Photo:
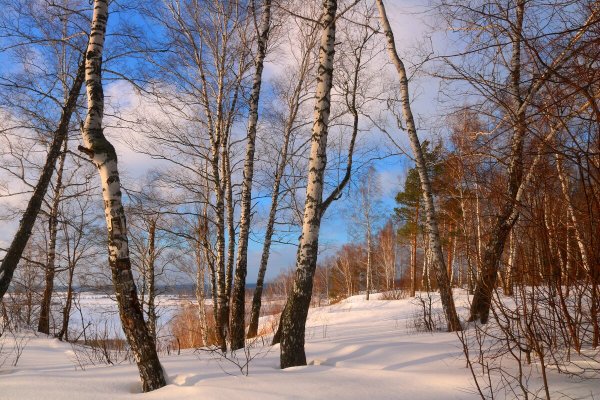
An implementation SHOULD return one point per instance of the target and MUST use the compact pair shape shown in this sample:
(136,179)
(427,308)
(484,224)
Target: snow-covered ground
(356,349)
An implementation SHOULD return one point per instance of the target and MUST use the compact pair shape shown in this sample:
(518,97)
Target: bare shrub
(101,348)
(395,294)
(429,317)
(240,359)
(532,335)
(13,340)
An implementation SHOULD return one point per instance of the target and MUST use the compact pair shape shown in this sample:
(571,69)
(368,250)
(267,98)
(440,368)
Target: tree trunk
(479,252)
(432,226)
(225,303)
(293,319)
(238,305)
(369,262)
(150,280)
(219,279)
(46,306)
(512,253)
(520,99)
(15,251)
(264,260)
(480,307)
(426,276)
(66,313)
(104,157)
(451,252)
(413,253)
(200,288)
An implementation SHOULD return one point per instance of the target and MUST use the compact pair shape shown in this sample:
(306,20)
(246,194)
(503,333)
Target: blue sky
(409,30)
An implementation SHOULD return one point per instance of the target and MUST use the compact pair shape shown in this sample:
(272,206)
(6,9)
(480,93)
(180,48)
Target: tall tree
(45,309)
(205,71)
(293,318)
(294,101)
(238,304)
(103,155)
(431,224)
(408,212)
(15,251)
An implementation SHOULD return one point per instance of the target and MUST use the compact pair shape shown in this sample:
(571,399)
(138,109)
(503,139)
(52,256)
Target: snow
(356,349)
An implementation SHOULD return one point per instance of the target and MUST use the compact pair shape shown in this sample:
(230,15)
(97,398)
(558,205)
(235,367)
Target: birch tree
(202,84)
(363,213)
(15,251)
(238,304)
(428,204)
(293,319)
(103,155)
(294,95)
(45,309)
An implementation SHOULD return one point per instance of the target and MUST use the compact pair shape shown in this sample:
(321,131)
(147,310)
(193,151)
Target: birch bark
(104,157)
(238,304)
(293,319)
(432,226)
(512,254)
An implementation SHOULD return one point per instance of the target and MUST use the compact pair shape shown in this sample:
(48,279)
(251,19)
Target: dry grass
(186,329)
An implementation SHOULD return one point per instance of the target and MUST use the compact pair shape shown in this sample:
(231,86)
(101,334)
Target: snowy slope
(356,350)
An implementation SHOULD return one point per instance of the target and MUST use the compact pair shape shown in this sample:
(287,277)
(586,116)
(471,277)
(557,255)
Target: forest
(394,198)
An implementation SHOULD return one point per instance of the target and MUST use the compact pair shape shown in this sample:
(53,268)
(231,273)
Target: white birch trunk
(104,157)
(293,320)
(239,291)
(432,226)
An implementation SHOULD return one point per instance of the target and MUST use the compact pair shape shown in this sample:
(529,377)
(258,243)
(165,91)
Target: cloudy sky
(408,21)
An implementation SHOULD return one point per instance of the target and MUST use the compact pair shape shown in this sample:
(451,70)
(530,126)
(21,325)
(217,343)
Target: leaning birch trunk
(293,319)
(104,157)
(17,246)
(432,227)
(480,307)
(45,308)
(238,304)
(520,98)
